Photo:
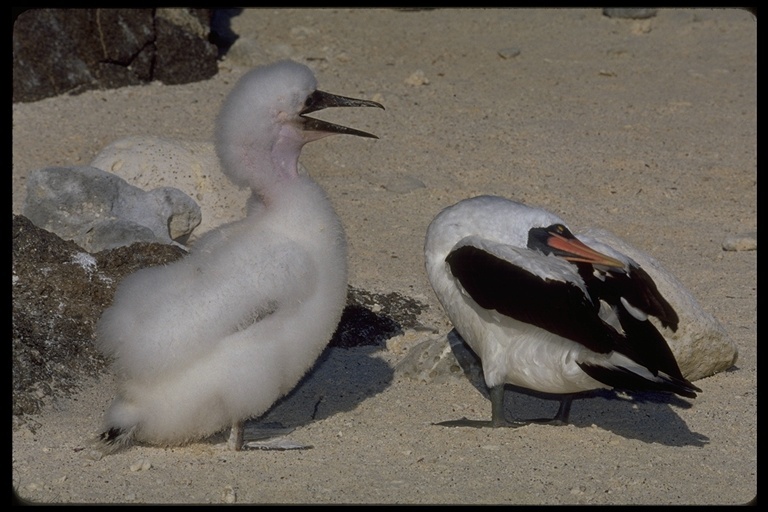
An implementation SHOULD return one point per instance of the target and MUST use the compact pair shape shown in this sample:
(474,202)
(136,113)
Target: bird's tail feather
(112,440)
(622,378)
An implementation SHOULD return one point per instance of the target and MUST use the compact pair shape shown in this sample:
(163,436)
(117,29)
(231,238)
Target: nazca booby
(217,337)
(546,310)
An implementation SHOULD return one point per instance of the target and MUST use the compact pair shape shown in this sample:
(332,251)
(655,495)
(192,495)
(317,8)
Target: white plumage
(217,337)
(543,309)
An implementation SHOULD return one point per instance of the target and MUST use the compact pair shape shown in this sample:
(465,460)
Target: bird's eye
(560,229)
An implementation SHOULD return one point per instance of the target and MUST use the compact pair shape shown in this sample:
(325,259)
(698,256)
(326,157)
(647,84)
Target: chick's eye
(310,100)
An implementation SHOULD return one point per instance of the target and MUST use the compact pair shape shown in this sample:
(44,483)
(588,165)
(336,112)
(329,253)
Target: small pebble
(509,53)
(141,465)
(229,495)
(93,454)
(403,184)
(629,12)
(34,486)
(417,78)
(744,242)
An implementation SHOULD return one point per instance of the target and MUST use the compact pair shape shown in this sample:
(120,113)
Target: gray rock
(184,54)
(99,210)
(431,361)
(57,51)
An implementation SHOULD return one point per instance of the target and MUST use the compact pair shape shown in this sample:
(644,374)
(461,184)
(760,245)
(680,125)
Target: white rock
(701,344)
(193,167)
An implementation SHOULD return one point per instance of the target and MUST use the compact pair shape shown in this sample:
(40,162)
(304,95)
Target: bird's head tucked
(263,122)
(559,241)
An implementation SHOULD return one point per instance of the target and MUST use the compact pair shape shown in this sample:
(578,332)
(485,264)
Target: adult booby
(546,310)
(217,337)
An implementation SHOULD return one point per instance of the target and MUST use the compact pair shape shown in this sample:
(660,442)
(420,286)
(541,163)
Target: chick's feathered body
(221,334)
(216,338)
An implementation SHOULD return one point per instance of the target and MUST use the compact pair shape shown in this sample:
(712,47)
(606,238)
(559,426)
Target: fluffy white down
(254,124)
(220,335)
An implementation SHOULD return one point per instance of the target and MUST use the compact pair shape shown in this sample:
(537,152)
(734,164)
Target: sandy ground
(646,128)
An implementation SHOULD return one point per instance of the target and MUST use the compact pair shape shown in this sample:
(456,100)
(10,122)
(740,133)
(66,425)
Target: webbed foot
(464,422)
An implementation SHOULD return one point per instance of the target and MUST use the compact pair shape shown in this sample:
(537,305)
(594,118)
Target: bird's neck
(261,166)
(285,165)
(277,164)
(275,192)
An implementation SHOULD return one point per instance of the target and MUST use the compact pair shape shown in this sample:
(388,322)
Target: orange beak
(574,250)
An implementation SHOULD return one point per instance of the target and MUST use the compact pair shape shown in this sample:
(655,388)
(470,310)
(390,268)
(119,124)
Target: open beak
(319,100)
(574,250)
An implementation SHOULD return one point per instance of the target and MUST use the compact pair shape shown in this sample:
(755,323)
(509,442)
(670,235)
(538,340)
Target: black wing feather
(643,343)
(637,288)
(556,306)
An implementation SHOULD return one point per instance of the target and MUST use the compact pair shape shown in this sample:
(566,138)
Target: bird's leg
(498,418)
(235,441)
(563,412)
